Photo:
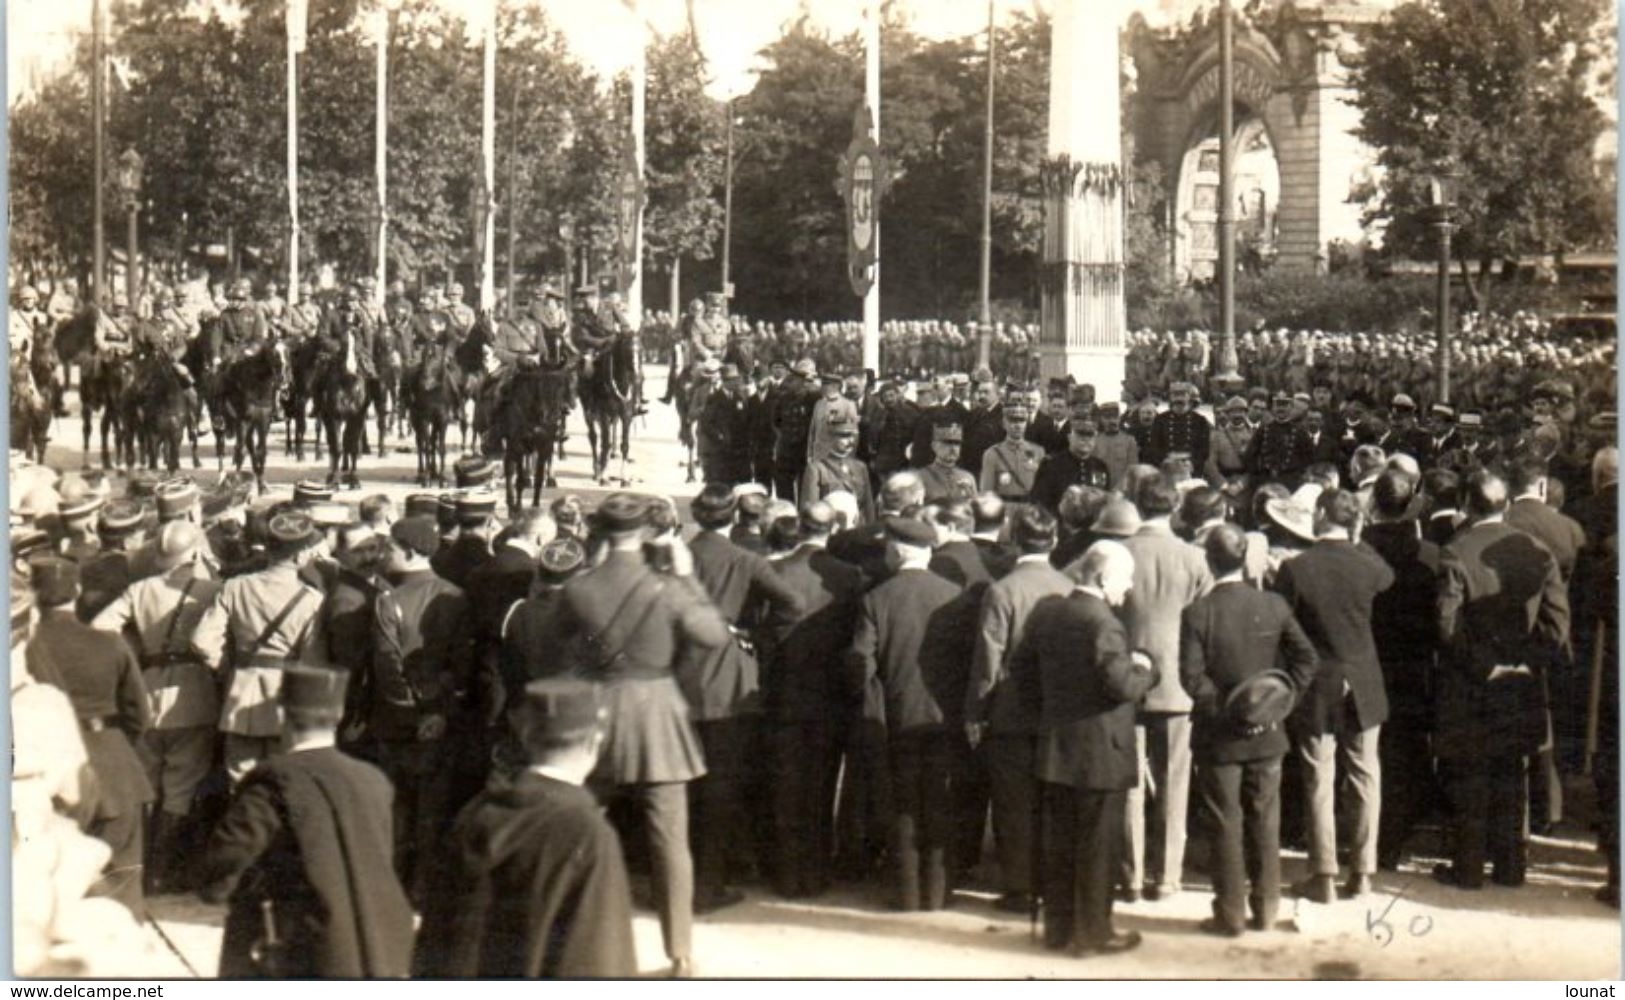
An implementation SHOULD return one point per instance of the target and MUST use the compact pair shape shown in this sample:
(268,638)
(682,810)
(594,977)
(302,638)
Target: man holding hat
(256,625)
(1009,467)
(302,854)
(536,886)
(838,470)
(943,478)
(1234,638)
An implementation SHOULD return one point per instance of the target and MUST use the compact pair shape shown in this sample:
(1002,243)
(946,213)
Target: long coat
(310,832)
(725,680)
(1331,588)
(800,678)
(534,886)
(914,636)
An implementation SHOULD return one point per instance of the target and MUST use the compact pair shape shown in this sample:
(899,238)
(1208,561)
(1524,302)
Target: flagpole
(640,70)
(98,100)
(871,97)
(488,146)
(380,144)
(296,41)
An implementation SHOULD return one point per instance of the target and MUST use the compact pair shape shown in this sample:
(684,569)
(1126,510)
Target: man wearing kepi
(1230,644)
(624,625)
(303,855)
(536,885)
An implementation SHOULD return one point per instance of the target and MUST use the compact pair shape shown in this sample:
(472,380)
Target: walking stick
(1594,699)
(1035,866)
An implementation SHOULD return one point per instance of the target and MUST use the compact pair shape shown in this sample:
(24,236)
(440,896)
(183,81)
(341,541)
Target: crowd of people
(896,622)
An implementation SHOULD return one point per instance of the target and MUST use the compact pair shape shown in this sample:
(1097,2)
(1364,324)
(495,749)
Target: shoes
(1127,895)
(1262,922)
(1218,928)
(1014,902)
(1511,879)
(1114,945)
(1160,891)
(682,968)
(1317,888)
(1446,874)
(721,899)
(1357,886)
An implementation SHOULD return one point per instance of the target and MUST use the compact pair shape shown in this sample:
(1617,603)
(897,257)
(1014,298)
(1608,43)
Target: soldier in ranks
(1280,450)
(1115,446)
(1010,467)
(1077,466)
(943,478)
(1179,428)
(839,470)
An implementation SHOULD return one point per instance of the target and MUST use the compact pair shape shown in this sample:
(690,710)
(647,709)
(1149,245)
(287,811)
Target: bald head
(1108,567)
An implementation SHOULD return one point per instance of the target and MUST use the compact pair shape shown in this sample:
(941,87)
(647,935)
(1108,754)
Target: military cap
(474,470)
(561,709)
(1118,519)
(1302,397)
(586,291)
(26,543)
(176,497)
(805,368)
(311,491)
(982,374)
(474,507)
(1444,410)
(715,297)
(730,372)
(1016,411)
(55,580)
(622,512)
(1470,419)
(330,515)
(1258,394)
(419,534)
(561,558)
(120,517)
(240,289)
(959,378)
(1235,403)
(1059,386)
(832,375)
(842,425)
(550,291)
(290,528)
(910,531)
(1184,387)
(313,691)
(1081,394)
(1402,402)
(1109,410)
(948,433)
(455,288)
(27,292)
(79,499)
(422,505)
(1554,389)
(713,503)
(1281,396)
(143,483)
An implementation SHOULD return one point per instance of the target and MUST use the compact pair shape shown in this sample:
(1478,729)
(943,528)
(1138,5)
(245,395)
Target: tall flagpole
(640,72)
(488,154)
(380,144)
(871,97)
(296,45)
(985,275)
(98,110)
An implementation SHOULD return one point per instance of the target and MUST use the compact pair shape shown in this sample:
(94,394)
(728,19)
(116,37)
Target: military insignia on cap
(290,527)
(561,556)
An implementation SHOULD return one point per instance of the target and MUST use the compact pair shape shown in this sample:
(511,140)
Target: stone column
(1083,317)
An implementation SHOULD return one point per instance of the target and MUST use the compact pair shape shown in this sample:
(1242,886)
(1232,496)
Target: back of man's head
(1484,494)
(1323,474)
(783,534)
(714,507)
(988,510)
(1201,505)
(1080,505)
(535,525)
(954,516)
(902,490)
(1524,474)
(1605,467)
(1033,529)
(1156,498)
(818,519)
(1391,496)
(1442,487)
(1226,548)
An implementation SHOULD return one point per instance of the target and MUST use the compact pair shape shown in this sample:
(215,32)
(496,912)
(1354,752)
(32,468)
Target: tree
(1503,90)
(683,155)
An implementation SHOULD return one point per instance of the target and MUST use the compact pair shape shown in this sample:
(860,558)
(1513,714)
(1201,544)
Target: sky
(39,33)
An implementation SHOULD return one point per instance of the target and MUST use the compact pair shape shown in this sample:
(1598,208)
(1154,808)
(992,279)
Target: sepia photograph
(813,489)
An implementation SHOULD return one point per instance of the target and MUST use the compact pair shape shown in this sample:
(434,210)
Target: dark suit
(1561,534)
(458,561)
(1076,666)
(809,711)
(1501,603)
(913,637)
(984,428)
(1063,469)
(1226,637)
(723,688)
(1331,588)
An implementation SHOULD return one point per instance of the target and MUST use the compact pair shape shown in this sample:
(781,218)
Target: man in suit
(724,429)
(999,720)
(723,688)
(625,626)
(1076,666)
(984,424)
(303,854)
(1331,588)
(806,708)
(1442,517)
(793,403)
(998,555)
(913,639)
(1405,626)
(1228,639)
(1530,513)
(1503,622)
(1169,574)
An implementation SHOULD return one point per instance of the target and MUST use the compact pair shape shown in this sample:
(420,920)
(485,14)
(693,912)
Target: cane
(1594,698)
(1035,864)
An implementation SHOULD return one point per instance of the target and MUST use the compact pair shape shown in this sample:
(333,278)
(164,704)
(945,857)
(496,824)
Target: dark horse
(303,359)
(103,388)
(30,414)
(158,408)
(691,400)
(538,399)
(431,396)
(248,392)
(608,400)
(341,403)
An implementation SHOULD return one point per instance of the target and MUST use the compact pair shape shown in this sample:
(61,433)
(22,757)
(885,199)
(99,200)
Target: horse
(690,404)
(341,403)
(303,361)
(160,411)
(608,399)
(538,399)
(103,388)
(470,354)
(430,396)
(30,414)
(249,389)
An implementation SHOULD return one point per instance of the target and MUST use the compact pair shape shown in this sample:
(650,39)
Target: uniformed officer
(724,426)
(943,478)
(820,442)
(461,314)
(255,626)
(1281,449)
(1114,445)
(24,322)
(1077,466)
(1009,467)
(839,470)
(1179,428)
(792,409)
(114,336)
(1227,458)
(240,327)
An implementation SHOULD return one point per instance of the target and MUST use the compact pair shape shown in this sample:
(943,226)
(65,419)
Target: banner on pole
(630,198)
(862,182)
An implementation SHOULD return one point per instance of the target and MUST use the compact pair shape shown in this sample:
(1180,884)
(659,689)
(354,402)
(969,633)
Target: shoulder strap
(608,655)
(276,623)
(169,634)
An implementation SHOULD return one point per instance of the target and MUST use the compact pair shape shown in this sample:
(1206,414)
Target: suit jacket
(1331,588)
(724,681)
(1075,662)
(998,557)
(495,585)
(1064,469)
(1501,603)
(994,696)
(422,655)
(864,547)
(913,637)
(1561,534)
(1404,618)
(1233,633)
(459,561)
(1169,575)
(802,652)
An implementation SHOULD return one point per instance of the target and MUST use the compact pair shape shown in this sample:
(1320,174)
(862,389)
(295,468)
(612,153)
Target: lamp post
(129,185)
(1442,202)
(727,212)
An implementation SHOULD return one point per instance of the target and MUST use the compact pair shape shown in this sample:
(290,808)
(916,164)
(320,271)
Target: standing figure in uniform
(1077,466)
(943,478)
(792,410)
(1010,467)
(302,855)
(838,470)
(1180,428)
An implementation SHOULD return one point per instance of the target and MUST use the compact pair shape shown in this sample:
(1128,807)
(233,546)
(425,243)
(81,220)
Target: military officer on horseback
(304,318)
(538,339)
(240,328)
(26,319)
(461,314)
(353,320)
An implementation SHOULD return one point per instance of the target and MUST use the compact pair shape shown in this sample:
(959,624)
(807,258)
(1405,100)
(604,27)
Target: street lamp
(1441,203)
(128,178)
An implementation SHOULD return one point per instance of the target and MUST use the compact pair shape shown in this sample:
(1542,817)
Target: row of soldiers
(795,691)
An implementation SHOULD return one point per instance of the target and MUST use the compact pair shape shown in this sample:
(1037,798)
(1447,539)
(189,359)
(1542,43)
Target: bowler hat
(948,433)
(714,502)
(418,534)
(561,709)
(313,692)
(422,505)
(1264,699)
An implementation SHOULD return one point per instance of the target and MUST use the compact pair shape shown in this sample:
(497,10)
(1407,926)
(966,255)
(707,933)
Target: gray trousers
(1154,852)
(1354,753)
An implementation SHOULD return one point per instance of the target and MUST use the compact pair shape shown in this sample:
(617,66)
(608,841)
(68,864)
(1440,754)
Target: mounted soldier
(304,318)
(461,314)
(537,339)
(351,319)
(25,323)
